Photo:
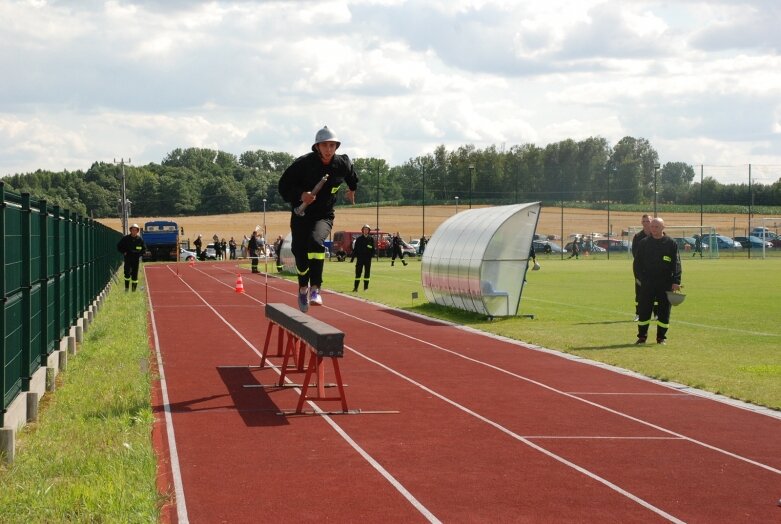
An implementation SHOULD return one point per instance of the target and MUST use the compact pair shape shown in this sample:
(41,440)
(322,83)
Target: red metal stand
(316,365)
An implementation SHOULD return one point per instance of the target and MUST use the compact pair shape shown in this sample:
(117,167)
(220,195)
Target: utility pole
(124,203)
(471,176)
(656,192)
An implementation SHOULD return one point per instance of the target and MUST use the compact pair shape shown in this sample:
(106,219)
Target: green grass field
(725,338)
(89,458)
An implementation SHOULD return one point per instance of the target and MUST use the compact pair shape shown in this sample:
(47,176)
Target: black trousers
(363,266)
(651,292)
(132,263)
(308,247)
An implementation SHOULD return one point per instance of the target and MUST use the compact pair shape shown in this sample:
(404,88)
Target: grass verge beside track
(89,458)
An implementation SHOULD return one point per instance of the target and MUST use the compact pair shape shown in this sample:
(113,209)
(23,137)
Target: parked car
(547,247)
(415,243)
(689,244)
(721,241)
(760,231)
(594,248)
(211,254)
(764,233)
(185,255)
(754,242)
(407,250)
(614,244)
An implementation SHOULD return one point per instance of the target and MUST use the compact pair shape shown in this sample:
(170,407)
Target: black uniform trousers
(363,265)
(650,292)
(132,262)
(308,247)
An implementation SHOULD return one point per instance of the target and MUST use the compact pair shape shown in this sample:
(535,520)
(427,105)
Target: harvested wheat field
(409,221)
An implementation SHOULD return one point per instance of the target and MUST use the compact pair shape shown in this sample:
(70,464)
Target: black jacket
(657,262)
(304,174)
(363,249)
(636,240)
(131,247)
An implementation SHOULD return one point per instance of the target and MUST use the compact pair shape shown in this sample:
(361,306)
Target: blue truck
(161,238)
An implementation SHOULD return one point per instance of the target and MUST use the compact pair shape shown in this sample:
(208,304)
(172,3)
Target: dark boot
(355,286)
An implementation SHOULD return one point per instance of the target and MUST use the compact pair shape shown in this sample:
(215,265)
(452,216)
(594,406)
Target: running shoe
(303,300)
(315,298)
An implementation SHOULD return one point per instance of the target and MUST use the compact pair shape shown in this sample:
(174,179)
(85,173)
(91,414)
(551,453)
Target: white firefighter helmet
(325,135)
(135,226)
(366,226)
(675,298)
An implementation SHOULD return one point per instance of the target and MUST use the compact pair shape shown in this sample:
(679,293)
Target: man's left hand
(351,196)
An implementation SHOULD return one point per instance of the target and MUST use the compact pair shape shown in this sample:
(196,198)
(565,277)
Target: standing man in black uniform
(198,245)
(252,247)
(646,232)
(657,269)
(311,226)
(278,252)
(132,247)
(363,250)
(396,249)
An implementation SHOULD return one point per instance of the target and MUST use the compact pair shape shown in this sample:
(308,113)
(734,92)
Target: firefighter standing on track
(363,250)
(657,269)
(311,228)
(132,247)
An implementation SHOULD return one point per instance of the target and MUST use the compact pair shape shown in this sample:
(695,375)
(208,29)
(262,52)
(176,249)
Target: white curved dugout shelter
(286,257)
(476,260)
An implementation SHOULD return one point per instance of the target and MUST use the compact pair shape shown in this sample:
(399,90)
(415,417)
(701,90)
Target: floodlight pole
(423,200)
(123,195)
(471,175)
(378,197)
(656,170)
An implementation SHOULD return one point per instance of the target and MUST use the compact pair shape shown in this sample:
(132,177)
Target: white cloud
(92,80)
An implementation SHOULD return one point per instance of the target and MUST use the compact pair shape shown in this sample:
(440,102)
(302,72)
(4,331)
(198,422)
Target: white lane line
(524,440)
(176,472)
(430,517)
(564,393)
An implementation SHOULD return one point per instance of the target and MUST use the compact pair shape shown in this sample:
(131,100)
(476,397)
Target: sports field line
(624,313)
(490,422)
(430,517)
(552,389)
(176,472)
(524,440)
(540,384)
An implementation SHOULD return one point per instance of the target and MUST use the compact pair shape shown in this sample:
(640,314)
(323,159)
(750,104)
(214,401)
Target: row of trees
(198,181)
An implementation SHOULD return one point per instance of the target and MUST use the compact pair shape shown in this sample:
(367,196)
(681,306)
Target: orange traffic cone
(239,284)
(192,262)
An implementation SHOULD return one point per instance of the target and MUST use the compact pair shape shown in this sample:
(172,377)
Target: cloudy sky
(92,80)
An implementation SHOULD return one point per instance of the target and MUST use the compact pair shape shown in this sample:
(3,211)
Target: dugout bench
(299,334)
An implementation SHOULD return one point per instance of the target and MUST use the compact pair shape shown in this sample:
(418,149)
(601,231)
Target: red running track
(487,429)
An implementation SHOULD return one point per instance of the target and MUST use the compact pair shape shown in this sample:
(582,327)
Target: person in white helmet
(312,208)
(363,250)
(132,248)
